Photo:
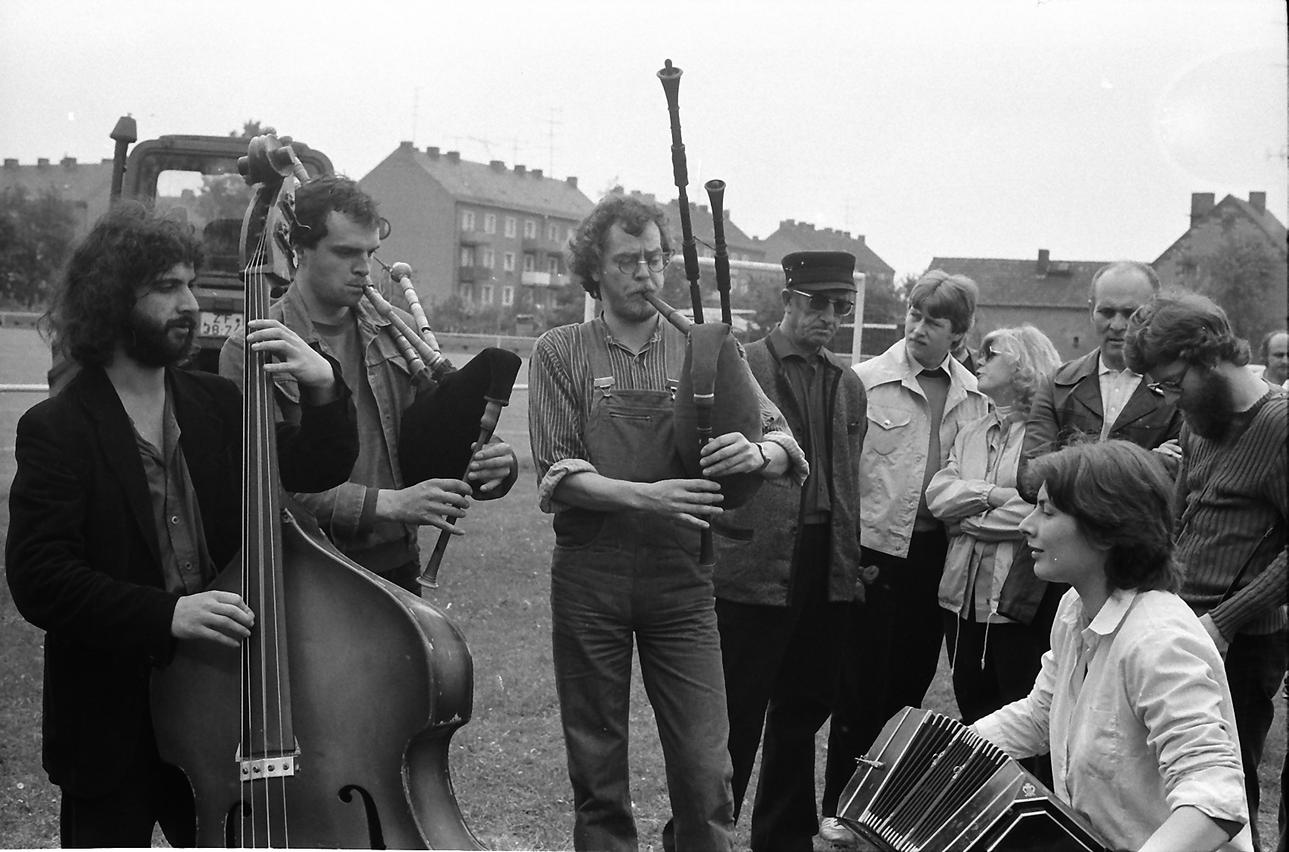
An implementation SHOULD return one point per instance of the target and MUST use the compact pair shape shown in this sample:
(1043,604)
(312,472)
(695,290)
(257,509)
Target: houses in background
(1051,295)
(85,185)
(493,235)
(792,235)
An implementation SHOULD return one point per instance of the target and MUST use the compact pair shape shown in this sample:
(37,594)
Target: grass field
(508,762)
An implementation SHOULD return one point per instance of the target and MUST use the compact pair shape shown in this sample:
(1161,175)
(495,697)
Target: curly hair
(1181,326)
(1119,494)
(586,246)
(315,200)
(129,246)
(940,295)
(1032,354)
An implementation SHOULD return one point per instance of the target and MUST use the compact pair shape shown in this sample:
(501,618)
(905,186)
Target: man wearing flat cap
(788,561)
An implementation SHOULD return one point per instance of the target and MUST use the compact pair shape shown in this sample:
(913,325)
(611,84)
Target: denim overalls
(616,576)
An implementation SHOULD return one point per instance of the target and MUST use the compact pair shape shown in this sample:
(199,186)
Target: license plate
(220,324)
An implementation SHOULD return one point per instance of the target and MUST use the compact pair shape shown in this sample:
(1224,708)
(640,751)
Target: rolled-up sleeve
(1179,695)
(554,421)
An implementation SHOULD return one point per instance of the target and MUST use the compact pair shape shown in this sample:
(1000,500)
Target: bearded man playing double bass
(126,501)
(374,517)
(627,524)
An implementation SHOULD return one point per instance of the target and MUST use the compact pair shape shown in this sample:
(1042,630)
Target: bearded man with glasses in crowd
(1231,502)
(627,523)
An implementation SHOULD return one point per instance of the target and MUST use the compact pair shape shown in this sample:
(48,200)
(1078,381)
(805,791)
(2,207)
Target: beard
(1210,407)
(155,344)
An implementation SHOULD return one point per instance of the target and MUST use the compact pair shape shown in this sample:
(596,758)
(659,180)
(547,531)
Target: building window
(488,258)
(485,294)
(467,220)
(530,229)
(552,233)
(508,261)
(552,265)
(490,223)
(507,295)
(467,256)
(571,231)
(530,263)
(510,226)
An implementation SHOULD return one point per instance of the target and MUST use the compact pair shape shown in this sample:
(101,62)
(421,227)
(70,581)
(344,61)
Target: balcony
(474,237)
(541,279)
(541,245)
(471,274)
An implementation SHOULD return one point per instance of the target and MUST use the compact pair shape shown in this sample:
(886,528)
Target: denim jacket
(898,437)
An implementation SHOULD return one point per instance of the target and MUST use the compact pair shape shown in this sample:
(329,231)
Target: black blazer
(82,556)
(1067,408)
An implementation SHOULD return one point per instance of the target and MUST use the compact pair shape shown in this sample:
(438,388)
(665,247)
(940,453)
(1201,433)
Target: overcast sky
(989,128)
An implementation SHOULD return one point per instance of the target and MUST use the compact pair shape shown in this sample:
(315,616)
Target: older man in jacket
(1097,396)
(788,561)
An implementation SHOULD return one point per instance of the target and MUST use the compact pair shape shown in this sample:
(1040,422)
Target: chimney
(433,151)
(1044,259)
(1258,201)
(537,173)
(1201,203)
(571,181)
(405,145)
(454,157)
(11,162)
(70,163)
(42,162)
(787,223)
(520,170)
(497,165)
(860,239)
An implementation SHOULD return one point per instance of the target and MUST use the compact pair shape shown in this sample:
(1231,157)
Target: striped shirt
(1229,493)
(561,392)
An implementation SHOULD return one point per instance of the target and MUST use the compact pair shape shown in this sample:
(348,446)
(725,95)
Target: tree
(1244,275)
(886,302)
(36,235)
(250,129)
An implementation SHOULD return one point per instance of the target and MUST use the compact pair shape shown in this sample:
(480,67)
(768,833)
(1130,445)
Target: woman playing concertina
(1132,699)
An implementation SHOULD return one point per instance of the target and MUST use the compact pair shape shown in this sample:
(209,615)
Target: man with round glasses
(627,522)
(787,567)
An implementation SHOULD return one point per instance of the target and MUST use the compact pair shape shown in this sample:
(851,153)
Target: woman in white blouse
(993,630)
(1132,699)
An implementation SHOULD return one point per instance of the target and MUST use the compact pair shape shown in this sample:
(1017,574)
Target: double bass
(330,727)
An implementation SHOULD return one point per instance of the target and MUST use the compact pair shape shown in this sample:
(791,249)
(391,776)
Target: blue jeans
(637,580)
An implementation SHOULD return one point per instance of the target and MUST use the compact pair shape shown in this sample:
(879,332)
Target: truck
(195,178)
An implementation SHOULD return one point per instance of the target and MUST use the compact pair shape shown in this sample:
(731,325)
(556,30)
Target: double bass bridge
(255,768)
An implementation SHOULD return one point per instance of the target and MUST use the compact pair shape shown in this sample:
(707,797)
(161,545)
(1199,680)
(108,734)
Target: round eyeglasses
(656,261)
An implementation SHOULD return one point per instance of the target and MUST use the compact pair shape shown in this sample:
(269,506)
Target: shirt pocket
(1099,753)
(886,429)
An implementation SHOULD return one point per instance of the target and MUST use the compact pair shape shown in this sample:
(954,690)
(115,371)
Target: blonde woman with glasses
(995,626)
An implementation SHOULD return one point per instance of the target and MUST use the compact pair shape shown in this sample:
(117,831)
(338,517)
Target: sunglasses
(820,302)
